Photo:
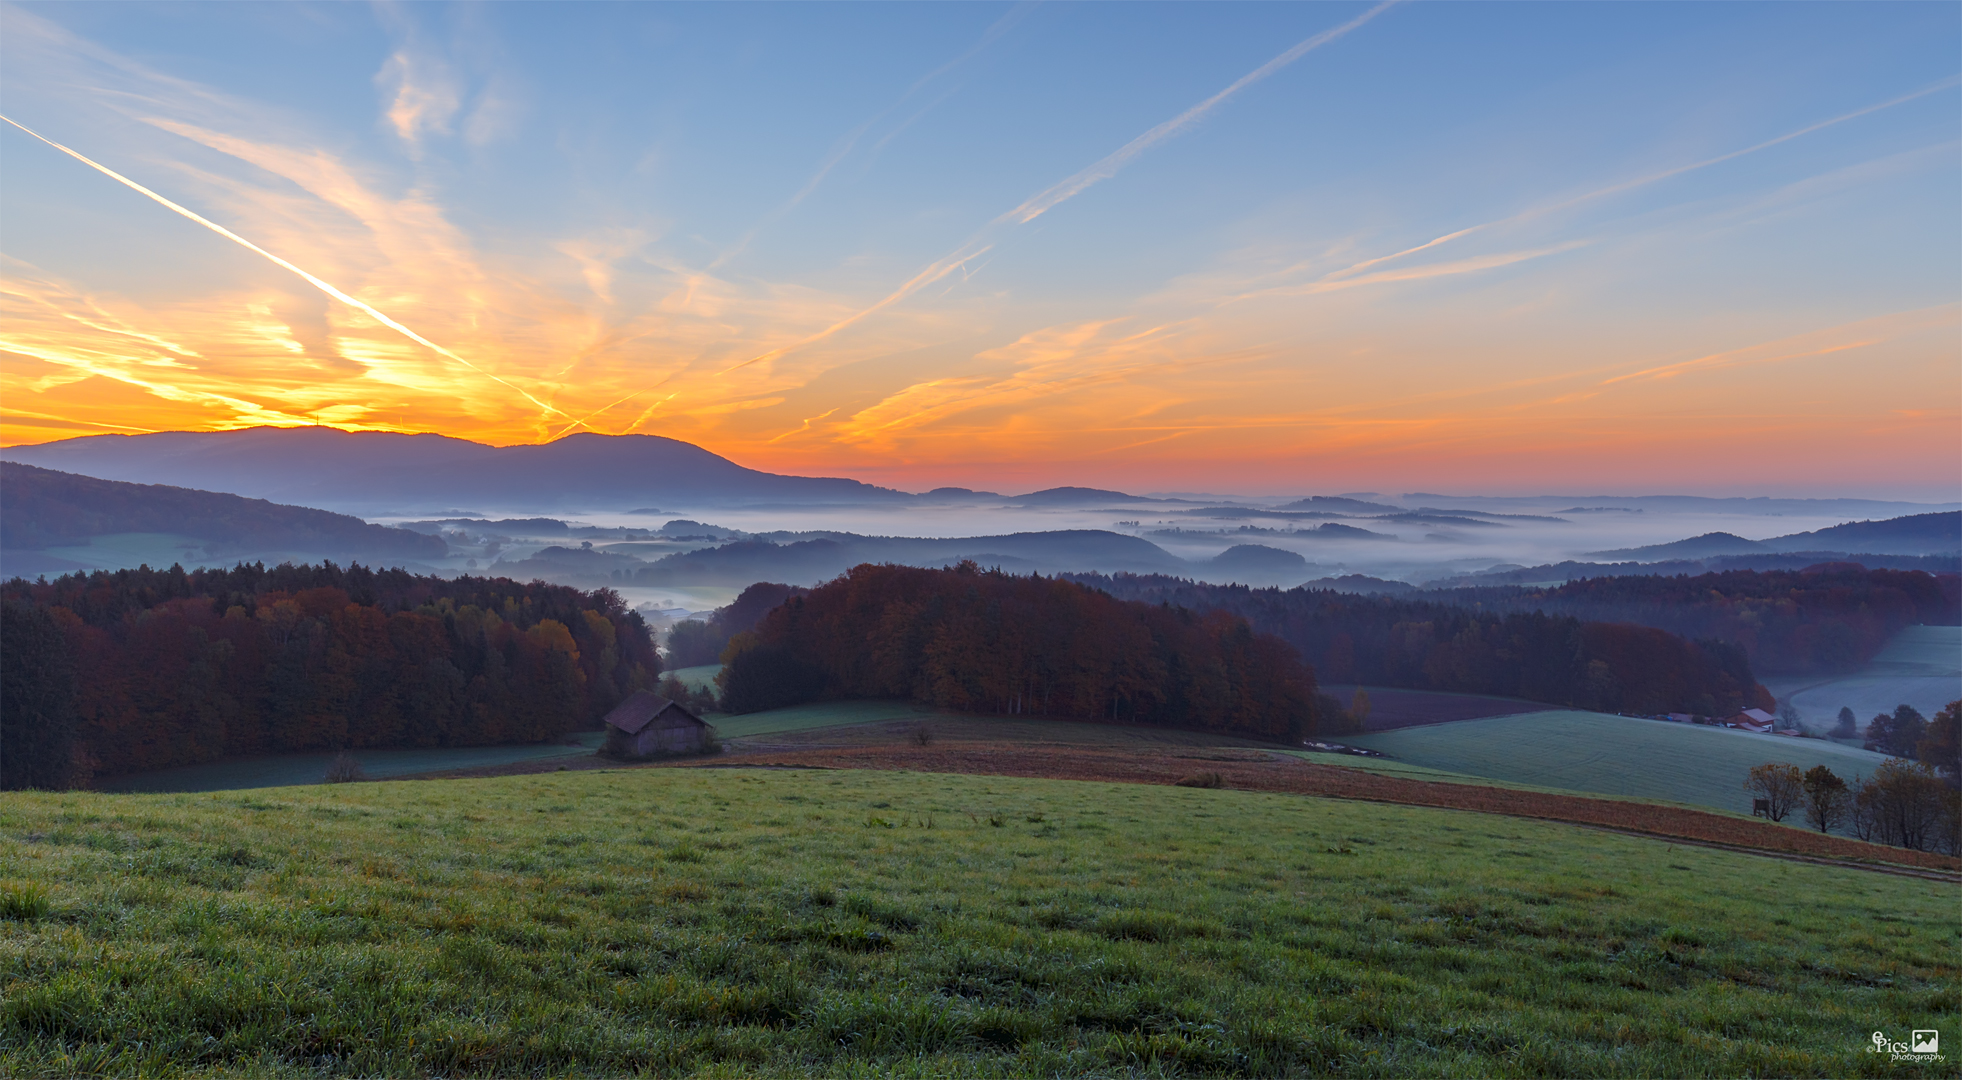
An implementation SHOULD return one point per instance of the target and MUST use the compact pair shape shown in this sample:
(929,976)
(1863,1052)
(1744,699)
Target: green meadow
(798,922)
(700,677)
(280,770)
(817,715)
(1921,666)
(1612,755)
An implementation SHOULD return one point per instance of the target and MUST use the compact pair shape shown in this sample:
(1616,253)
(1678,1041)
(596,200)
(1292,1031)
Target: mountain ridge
(369,470)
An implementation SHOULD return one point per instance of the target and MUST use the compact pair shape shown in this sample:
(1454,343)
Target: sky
(1468,248)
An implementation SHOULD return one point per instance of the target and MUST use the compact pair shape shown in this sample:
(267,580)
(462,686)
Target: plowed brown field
(1255,770)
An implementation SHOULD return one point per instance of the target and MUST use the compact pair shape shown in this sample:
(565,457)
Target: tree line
(694,642)
(1905,803)
(1426,645)
(131,670)
(985,641)
(1828,618)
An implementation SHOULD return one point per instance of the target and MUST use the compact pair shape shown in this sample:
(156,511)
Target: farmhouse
(647,724)
(1754,720)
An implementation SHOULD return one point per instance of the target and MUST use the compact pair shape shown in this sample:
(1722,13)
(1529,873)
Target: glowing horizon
(1314,247)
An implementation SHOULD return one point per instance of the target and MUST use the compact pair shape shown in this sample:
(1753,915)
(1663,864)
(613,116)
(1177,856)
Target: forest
(979,641)
(1425,645)
(1824,619)
(693,641)
(130,670)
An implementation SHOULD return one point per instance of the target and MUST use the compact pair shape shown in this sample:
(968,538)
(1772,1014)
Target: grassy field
(701,677)
(811,922)
(1612,755)
(295,769)
(1921,667)
(821,714)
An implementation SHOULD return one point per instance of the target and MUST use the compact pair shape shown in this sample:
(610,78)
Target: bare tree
(1905,805)
(1778,785)
(1825,799)
(344,769)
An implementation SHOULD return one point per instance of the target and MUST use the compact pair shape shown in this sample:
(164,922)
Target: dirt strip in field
(1252,770)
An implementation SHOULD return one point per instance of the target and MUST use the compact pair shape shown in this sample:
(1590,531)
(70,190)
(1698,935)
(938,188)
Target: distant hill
(1578,504)
(1256,564)
(1916,534)
(813,558)
(1076,496)
(1696,547)
(1764,560)
(383,471)
(1340,505)
(1361,584)
(42,508)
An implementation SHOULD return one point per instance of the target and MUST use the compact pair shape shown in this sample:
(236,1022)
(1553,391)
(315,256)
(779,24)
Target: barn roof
(641,707)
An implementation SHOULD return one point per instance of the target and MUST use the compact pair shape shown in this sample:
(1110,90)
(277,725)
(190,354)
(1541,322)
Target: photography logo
(1921,1045)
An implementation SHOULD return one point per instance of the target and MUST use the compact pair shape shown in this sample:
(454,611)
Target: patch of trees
(1827,618)
(43,508)
(124,671)
(694,642)
(981,641)
(1424,645)
(1905,733)
(1905,803)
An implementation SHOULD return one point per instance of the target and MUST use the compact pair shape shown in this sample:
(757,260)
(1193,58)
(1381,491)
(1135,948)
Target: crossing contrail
(323,286)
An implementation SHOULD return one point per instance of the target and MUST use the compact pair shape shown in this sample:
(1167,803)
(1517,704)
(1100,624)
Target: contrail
(1108,167)
(1053,196)
(844,145)
(1652,178)
(317,283)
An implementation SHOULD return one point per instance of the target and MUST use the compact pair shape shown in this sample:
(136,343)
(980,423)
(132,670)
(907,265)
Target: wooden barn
(647,724)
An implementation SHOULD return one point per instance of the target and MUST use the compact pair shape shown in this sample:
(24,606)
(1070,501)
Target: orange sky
(1744,305)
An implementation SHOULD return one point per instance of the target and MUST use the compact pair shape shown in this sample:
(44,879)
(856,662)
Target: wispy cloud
(1645,180)
(324,286)
(1845,337)
(425,96)
(1049,198)
(842,148)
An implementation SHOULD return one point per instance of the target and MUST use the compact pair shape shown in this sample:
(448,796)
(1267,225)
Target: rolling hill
(42,509)
(820,557)
(1914,534)
(822,922)
(1612,755)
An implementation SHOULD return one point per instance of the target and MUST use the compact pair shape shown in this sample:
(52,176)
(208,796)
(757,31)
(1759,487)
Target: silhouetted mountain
(42,508)
(1340,505)
(376,471)
(1333,531)
(1915,534)
(1256,564)
(1076,496)
(1696,547)
(810,558)
(1577,504)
